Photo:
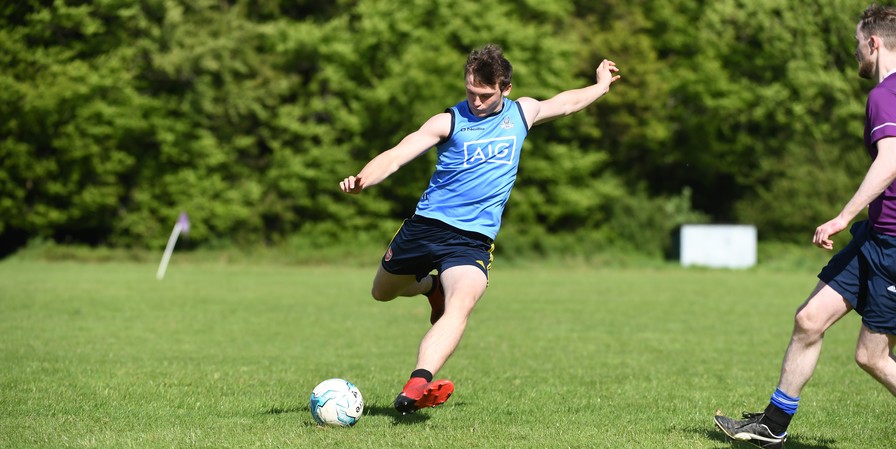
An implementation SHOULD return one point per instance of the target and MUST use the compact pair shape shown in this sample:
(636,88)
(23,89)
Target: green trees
(115,115)
(782,148)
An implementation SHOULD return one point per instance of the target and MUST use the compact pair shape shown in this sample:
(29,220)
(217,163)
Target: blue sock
(784,402)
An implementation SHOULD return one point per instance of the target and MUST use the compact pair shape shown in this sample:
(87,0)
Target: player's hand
(823,233)
(352,185)
(605,71)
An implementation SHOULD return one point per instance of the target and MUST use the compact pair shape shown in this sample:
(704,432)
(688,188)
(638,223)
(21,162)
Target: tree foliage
(115,115)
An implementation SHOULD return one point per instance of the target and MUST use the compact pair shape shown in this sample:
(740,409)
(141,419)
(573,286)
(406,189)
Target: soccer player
(479,142)
(862,276)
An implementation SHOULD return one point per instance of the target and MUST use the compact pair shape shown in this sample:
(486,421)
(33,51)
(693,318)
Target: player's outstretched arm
(389,161)
(571,101)
(880,175)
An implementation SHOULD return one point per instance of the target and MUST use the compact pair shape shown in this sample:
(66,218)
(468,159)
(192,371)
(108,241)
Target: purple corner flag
(184,221)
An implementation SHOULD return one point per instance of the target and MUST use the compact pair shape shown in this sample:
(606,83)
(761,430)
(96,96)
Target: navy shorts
(864,273)
(423,244)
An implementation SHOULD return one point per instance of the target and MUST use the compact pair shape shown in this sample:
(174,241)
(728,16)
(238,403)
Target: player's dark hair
(489,66)
(880,21)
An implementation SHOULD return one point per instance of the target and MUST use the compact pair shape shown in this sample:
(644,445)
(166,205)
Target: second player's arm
(880,175)
(414,144)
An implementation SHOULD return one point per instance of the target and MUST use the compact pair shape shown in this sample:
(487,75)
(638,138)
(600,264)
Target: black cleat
(405,405)
(751,431)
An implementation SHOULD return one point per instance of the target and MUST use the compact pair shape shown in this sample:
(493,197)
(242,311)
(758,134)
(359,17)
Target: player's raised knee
(381,295)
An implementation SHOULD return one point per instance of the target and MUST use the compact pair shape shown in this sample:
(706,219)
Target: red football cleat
(418,393)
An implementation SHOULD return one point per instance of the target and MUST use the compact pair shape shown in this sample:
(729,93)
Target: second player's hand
(823,233)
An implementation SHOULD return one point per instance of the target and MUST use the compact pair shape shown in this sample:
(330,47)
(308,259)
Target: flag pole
(182,225)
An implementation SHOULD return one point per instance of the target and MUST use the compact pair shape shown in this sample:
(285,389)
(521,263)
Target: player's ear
(506,91)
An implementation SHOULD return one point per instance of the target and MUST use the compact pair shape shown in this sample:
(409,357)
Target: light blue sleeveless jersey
(476,169)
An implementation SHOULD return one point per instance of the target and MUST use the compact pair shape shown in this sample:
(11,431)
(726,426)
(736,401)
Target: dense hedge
(115,115)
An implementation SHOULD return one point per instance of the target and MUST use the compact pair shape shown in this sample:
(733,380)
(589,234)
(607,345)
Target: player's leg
(463,286)
(404,267)
(874,353)
(388,286)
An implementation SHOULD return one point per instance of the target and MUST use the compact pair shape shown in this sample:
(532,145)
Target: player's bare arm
(389,161)
(571,101)
(881,174)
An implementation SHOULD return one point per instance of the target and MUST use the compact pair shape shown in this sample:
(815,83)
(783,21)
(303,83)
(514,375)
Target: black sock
(426,375)
(776,419)
(431,290)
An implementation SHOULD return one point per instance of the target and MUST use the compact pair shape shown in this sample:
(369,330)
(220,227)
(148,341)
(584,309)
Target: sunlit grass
(225,355)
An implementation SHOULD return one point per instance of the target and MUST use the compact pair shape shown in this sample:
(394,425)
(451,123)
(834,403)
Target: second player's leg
(874,353)
(823,308)
(769,429)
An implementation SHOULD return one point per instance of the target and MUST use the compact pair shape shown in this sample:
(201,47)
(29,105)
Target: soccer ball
(336,402)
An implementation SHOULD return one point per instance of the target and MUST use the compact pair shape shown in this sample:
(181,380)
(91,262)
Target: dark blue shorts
(423,244)
(863,273)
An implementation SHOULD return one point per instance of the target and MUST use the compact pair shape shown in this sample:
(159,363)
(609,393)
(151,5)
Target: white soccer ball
(336,402)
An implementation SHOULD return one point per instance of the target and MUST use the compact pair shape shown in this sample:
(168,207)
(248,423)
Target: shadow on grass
(793,442)
(402,420)
(369,409)
(308,422)
(397,418)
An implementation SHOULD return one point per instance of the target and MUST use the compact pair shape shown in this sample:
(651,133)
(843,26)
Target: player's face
(863,55)
(484,100)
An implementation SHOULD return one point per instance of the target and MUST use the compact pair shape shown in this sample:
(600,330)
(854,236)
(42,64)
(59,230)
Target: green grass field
(225,355)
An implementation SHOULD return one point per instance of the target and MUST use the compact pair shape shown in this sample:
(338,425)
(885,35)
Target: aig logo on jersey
(500,150)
